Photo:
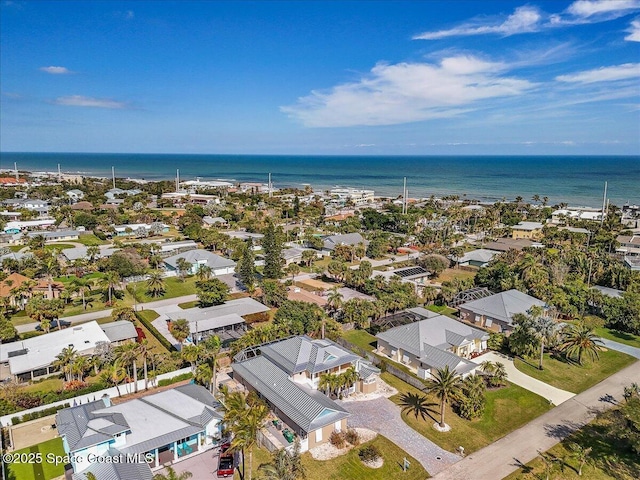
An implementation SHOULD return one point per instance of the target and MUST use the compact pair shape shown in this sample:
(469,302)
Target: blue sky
(414,78)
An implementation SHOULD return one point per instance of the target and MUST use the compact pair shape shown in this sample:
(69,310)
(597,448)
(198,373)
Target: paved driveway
(514,375)
(383,416)
(621,347)
(202,466)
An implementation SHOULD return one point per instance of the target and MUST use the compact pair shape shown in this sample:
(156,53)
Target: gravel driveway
(383,416)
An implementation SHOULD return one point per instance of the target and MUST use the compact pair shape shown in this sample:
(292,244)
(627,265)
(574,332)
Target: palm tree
(92,252)
(334,299)
(172,475)
(580,339)
(184,267)
(293,269)
(64,360)
(128,355)
(212,346)
(204,272)
(499,374)
(113,374)
(284,465)
(546,330)
(349,377)
(155,284)
(145,351)
(419,405)
(192,354)
(111,281)
(79,366)
(445,384)
(82,286)
(180,330)
(246,432)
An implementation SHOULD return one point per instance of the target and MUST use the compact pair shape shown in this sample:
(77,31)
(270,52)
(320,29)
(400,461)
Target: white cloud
(408,92)
(82,101)
(56,70)
(528,19)
(522,20)
(610,8)
(604,74)
(634,31)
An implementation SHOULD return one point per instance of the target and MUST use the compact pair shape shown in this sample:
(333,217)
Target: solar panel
(411,271)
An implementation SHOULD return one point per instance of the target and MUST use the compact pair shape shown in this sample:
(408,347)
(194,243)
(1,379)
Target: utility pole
(270,188)
(404,196)
(604,203)
(113,176)
(177,180)
(59,173)
(15,168)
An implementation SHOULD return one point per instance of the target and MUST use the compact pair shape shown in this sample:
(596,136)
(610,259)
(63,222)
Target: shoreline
(319,190)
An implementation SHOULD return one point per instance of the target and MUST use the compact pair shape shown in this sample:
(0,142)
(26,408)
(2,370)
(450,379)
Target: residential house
(166,248)
(75,195)
(632,263)
(226,320)
(528,230)
(506,244)
(33,204)
(433,343)
(286,374)
(119,332)
(416,275)
(13,283)
(199,258)
(496,311)
(140,229)
(476,258)
(332,241)
(17,227)
(33,358)
(629,245)
(56,235)
(342,196)
(209,221)
(83,205)
(154,430)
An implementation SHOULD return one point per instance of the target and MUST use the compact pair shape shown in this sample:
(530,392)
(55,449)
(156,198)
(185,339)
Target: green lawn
(186,305)
(38,471)
(607,460)
(573,377)
(442,309)
(349,466)
(507,409)
(58,246)
(173,285)
(90,240)
(620,337)
(451,273)
(361,338)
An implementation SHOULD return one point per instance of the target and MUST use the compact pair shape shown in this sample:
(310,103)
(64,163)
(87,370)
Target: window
(318,435)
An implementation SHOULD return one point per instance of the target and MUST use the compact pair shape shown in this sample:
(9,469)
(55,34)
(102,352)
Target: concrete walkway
(621,347)
(514,375)
(383,416)
(521,446)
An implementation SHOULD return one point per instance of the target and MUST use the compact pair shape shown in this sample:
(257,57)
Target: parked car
(226,464)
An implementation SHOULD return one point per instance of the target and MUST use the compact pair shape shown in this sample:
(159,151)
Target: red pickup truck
(226,462)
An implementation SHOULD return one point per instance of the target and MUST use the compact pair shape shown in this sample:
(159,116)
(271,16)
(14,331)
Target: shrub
(176,379)
(163,341)
(370,453)
(74,385)
(337,439)
(497,341)
(42,413)
(352,437)
(27,400)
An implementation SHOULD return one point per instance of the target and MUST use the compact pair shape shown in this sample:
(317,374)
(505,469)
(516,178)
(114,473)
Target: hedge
(39,414)
(163,341)
(176,379)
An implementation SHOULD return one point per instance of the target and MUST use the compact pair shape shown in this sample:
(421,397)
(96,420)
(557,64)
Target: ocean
(575,180)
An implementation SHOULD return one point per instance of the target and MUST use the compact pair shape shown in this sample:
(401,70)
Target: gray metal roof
(481,255)
(309,409)
(437,358)
(150,422)
(120,330)
(502,306)
(197,256)
(117,471)
(440,331)
(299,354)
(239,306)
(72,423)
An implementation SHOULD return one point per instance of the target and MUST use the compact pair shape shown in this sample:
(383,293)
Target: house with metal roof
(198,258)
(158,429)
(529,230)
(496,311)
(433,343)
(286,374)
